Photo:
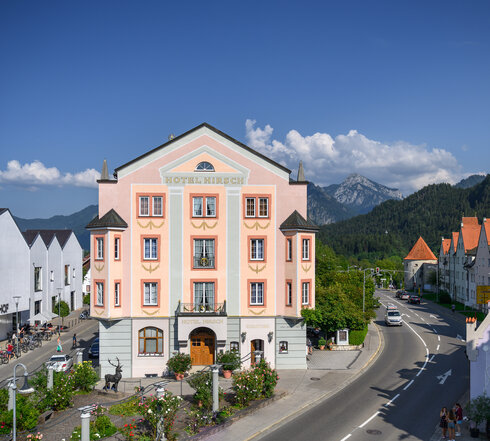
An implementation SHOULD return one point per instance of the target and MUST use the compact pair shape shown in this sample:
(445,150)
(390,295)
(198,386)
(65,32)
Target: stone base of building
(281,340)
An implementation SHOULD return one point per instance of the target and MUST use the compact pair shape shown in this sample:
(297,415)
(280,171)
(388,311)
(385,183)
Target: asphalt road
(421,369)
(86,331)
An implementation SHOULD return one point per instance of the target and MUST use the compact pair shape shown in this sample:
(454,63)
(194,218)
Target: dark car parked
(93,351)
(414,299)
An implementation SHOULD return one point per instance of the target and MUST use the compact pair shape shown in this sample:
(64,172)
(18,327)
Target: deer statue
(109,378)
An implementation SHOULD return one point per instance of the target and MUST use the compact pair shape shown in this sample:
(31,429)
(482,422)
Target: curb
(326,395)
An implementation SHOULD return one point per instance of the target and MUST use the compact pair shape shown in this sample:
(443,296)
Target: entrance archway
(256,345)
(203,343)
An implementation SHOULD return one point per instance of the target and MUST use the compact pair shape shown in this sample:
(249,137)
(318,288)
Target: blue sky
(396,91)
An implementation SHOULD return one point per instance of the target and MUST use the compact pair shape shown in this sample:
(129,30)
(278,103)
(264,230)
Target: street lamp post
(364,289)
(16,300)
(25,389)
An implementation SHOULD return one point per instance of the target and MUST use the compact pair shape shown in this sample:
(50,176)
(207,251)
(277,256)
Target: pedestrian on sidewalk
(453,308)
(59,348)
(459,418)
(310,346)
(21,335)
(10,349)
(443,422)
(451,424)
(74,341)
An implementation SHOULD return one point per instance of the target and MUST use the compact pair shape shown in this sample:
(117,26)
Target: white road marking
(425,362)
(408,385)
(369,419)
(442,378)
(438,346)
(416,314)
(432,358)
(421,318)
(459,337)
(393,399)
(432,316)
(434,331)
(438,338)
(406,315)
(346,437)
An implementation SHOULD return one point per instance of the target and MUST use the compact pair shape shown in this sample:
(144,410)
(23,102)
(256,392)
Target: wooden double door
(202,348)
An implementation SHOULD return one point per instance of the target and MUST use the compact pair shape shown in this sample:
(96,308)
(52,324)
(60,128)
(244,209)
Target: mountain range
(326,205)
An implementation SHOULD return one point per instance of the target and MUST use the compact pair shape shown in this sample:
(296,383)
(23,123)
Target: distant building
(38,266)
(201,245)
(418,266)
(443,262)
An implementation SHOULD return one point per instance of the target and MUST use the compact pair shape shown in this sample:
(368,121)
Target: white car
(61,363)
(393,317)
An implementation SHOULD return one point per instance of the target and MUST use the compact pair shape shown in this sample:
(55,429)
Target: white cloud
(329,160)
(36,174)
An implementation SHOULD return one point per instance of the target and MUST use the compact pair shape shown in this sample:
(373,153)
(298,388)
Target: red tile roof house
(418,265)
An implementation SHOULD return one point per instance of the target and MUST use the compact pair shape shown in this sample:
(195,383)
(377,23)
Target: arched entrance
(203,343)
(256,345)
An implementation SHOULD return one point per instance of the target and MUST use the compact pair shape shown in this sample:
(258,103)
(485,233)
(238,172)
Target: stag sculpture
(114,379)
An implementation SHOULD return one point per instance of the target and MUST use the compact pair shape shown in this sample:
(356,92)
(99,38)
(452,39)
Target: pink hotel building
(201,245)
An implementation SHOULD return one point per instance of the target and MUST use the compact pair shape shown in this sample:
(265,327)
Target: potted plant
(321,343)
(229,361)
(179,364)
(330,344)
(478,410)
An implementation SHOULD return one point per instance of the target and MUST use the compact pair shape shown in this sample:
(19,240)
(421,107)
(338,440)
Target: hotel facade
(201,245)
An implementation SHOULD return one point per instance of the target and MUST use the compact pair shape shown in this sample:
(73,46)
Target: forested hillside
(392,227)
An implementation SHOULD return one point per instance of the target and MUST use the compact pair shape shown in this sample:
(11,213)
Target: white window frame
(254,207)
(289,249)
(117,244)
(100,248)
(147,213)
(153,206)
(208,247)
(257,297)
(151,249)
(306,249)
(152,288)
(207,206)
(305,293)
(100,293)
(39,285)
(194,198)
(208,292)
(117,293)
(256,252)
(259,199)
(289,293)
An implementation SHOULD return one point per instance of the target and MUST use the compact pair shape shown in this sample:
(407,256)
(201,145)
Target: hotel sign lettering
(4,308)
(198,180)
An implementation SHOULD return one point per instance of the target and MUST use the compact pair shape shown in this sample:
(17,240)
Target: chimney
(104,176)
(301,173)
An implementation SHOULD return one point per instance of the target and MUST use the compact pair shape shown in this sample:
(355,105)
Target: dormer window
(205,166)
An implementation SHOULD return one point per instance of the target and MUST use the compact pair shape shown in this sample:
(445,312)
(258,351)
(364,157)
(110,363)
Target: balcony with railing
(201,309)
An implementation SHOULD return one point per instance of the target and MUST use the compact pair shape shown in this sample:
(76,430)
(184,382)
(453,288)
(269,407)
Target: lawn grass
(460,307)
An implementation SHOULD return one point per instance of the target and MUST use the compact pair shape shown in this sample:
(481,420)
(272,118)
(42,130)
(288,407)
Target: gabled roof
(208,126)
(446,244)
(47,236)
(3,210)
(110,220)
(297,222)
(420,251)
(467,221)
(455,240)
(470,233)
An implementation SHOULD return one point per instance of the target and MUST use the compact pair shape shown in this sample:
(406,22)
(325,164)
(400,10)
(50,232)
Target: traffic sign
(482,294)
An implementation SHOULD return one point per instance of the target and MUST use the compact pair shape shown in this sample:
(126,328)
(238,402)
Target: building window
(37,307)
(144,205)
(289,250)
(67,274)
(150,341)
(283,347)
(289,293)
(257,206)
(204,295)
(150,248)
(37,278)
(100,293)
(205,166)
(99,252)
(117,244)
(51,276)
(257,293)
(234,346)
(306,249)
(204,256)
(204,206)
(257,249)
(157,206)
(117,294)
(305,293)
(150,294)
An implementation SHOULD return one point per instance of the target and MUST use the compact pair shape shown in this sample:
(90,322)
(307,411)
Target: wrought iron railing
(201,308)
(204,262)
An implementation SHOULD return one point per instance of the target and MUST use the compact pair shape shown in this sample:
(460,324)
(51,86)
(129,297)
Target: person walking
(310,346)
(59,348)
(21,335)
(74,341)
(443,422)
(451,424)
(458,410)
(10,349)
(453,308)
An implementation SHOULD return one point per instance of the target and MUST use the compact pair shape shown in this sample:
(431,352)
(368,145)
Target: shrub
(269,376)
(478,409)
(59,398)
(104,426)
(86,299)
(27,415)
(258,382)
(230,360)
(357,336)
(202,383)
(179,363)
(153,409)
(444,297)
(61,307)
(126,408)
(84,376)
(322,341)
